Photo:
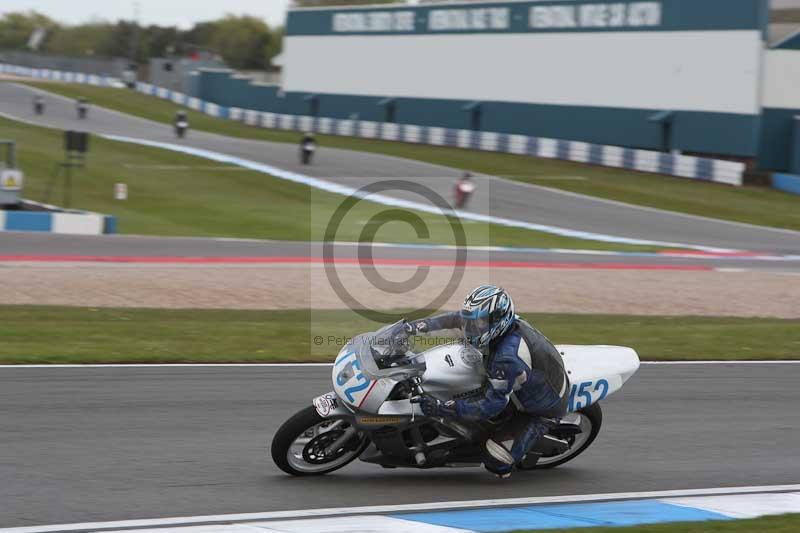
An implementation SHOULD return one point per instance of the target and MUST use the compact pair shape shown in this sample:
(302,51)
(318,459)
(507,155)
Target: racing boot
(498,459)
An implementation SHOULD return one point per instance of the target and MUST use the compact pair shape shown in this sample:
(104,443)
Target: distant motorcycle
(464,189)
(373,413)
(181,124)
(83,108)
(38,105)
(307,148)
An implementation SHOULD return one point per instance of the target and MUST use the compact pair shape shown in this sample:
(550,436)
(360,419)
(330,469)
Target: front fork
(348,434)
(330,406)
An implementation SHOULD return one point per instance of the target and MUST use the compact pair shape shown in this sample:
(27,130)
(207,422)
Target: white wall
(782,79)
(694,71)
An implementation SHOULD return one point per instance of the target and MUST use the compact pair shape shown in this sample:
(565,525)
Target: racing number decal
(602,384)
(348,372)
(583,395)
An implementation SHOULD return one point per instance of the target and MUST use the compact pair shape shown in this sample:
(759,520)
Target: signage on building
(519,18)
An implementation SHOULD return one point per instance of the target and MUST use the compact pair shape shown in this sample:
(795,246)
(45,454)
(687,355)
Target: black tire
(595,414)
(291,430)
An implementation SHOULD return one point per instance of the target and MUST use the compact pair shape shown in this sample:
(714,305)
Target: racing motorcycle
(82,107)
(373,413)
(464,190)
(181,124)
(307,149)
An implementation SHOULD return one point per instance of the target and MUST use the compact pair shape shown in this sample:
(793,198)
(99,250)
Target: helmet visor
(475,324)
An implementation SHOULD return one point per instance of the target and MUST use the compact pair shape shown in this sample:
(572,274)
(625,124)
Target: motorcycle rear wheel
(297,447)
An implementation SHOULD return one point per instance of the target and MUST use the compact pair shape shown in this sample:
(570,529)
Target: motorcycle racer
(523,367)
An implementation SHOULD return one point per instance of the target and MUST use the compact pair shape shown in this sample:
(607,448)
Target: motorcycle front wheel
(299,446)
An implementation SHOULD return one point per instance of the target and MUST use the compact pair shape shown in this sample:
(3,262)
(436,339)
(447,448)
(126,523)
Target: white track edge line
(381,509)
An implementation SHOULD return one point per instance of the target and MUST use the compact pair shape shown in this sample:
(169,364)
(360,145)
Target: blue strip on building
(786,183)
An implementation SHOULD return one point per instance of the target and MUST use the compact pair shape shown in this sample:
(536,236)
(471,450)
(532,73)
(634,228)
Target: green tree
(242,41)
(91,39)
(16,28)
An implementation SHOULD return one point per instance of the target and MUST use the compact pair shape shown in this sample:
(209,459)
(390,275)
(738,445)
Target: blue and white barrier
(58,75)
(70,222)
(716,170)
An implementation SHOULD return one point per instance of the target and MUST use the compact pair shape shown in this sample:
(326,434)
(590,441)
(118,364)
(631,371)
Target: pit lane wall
(616,72)
(716,170)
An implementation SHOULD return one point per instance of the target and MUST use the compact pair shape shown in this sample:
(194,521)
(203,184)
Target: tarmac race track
(86,444)
(494,196)
(121,248)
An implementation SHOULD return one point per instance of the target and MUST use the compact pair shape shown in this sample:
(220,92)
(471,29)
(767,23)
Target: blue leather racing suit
(523,369)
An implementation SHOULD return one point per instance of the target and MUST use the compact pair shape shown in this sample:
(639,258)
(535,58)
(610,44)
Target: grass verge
(789,523)
(755,205)
(179,195)
(43,334)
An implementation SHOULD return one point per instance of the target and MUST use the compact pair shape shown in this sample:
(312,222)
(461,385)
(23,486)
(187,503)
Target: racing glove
(415,328)
(436,408)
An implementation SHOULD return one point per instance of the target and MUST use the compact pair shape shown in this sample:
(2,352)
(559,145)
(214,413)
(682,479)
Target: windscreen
(383,353)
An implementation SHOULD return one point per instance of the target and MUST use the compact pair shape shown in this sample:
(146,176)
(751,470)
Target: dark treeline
(243,42)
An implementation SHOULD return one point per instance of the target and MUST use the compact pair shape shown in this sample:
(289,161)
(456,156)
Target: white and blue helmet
(487,313)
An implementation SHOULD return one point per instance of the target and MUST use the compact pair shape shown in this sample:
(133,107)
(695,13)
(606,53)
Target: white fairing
(596,371)
(452,370)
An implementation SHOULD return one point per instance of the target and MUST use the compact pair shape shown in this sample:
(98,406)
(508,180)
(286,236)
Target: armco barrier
(719,171)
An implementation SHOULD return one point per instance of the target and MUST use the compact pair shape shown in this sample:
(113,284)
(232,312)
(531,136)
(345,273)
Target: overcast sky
(165,12)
